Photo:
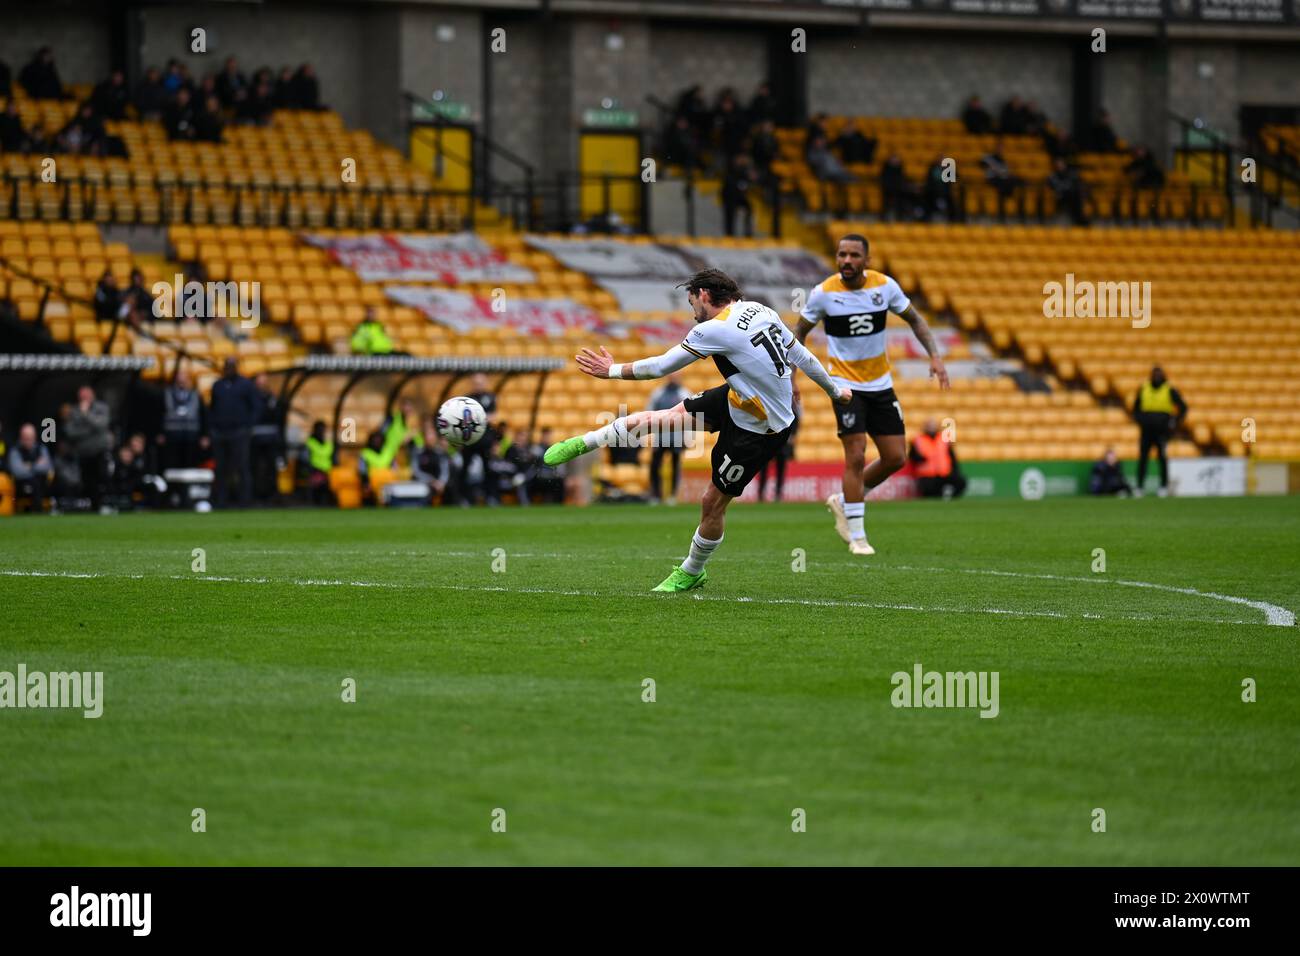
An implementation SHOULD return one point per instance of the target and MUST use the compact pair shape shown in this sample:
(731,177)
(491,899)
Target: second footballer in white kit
(853,306)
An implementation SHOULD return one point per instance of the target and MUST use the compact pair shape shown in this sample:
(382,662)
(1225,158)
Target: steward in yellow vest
(1159,410)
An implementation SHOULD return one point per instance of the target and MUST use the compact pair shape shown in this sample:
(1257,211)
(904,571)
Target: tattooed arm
(923,335)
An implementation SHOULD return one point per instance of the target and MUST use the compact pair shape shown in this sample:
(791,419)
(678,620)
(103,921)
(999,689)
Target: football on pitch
(461,421)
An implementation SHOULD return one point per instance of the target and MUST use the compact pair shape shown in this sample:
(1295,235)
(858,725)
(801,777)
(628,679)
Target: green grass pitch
(521,688)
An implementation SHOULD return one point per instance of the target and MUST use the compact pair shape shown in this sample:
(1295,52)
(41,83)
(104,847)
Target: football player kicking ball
(853,305)
(752,413)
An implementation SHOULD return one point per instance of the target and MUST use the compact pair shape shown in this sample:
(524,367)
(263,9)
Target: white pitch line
(1277,616)
(802,602)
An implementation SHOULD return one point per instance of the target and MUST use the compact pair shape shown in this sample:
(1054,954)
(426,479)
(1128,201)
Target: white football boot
(860,546)
(835,504)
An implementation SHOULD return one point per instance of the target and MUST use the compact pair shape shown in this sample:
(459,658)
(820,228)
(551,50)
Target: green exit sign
(447,109)
(622,119)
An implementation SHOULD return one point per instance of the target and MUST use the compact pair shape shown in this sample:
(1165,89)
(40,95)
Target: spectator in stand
(182,433)
(265,446)
(762,108)
(369,337)
(1143,170)
(208,124)
(231,84)
(139,446)
(6,80)
(402,433)
(1059,145)
(109,304)
(282,95)
(731,128)
(1107,478)
(548,482)
(691,105)
(82,132)
(13,138)
(256,108)
(126,479)
(432,465)
(1102,138)
(936,197)
(816,128)
(231,419)
(318,460)
(736,185)
(855,145)
(1014,119)
(110,97)
(151,96)
(207,87)
(897,194)
(40,77)
(934,463)
(515,465)
(31,467)
(176,78)
(823,163)
(997,173)
(306,90)
(680,145)
(87,429)
(1069,189)
(138,300)
(976,118)
(1035,119)
(764,149)
(373,459)
(667,445)
(38,143)
(180,116)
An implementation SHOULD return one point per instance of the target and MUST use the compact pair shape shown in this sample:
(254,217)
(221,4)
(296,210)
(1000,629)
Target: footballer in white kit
(853,306)
(752,412)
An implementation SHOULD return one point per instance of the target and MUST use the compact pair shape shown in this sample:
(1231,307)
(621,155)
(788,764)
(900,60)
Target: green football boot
(679,580)
(566,450)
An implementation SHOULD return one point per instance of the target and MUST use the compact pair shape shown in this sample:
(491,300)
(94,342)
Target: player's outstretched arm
(604,366)
(921,329)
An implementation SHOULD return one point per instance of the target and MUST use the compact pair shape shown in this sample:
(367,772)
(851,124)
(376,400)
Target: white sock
(701,549)
(615,433)
(854,511)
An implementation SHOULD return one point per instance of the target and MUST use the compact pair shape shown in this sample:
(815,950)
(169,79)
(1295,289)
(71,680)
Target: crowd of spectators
(189,109)
(86,461)
(727,139)
(504,461)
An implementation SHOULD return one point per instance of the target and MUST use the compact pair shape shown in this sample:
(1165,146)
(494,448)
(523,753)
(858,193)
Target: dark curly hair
(720,286)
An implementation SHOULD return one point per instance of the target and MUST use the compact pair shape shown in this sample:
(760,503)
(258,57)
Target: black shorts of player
(740,454)
(876,413)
